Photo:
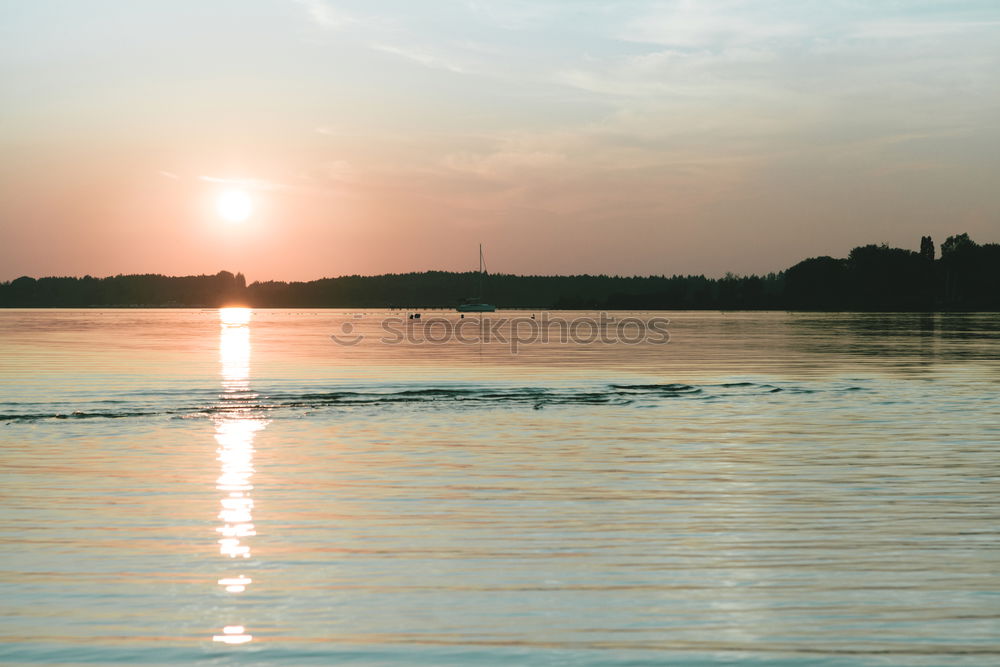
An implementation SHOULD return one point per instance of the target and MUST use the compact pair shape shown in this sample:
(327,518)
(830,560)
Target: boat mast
(480,271)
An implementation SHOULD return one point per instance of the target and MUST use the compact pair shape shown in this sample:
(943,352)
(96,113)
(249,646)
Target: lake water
(202,486)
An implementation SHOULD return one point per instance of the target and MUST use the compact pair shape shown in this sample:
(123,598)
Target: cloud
(700,24)
(250,183)
(378,33)
(630,100)
(327,16)
(419,57)
(682,76)
(503,162)
(919,29)
(517,14)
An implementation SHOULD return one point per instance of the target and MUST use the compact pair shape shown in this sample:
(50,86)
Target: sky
(570,136)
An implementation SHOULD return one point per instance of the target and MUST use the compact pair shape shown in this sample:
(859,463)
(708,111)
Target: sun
(234,206)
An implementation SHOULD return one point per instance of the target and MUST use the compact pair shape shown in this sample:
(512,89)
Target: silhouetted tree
(970,274)
(817,283)
(960,243)
(927,248)
(884,278)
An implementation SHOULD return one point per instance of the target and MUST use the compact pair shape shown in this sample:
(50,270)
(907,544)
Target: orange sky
(635,137)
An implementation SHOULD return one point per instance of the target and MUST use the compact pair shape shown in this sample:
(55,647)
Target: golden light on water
(234,355)
(233,634)
(235,428)
(235,584)
(234,317)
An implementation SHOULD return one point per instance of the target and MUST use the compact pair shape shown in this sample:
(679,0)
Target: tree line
(966,276)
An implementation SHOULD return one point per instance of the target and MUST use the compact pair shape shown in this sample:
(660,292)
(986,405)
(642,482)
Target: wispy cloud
(504,162)
(518,14)
(326,15)
(673,108)
(380,34)
(250,183)
(419,57)
(708,24)
(910,29)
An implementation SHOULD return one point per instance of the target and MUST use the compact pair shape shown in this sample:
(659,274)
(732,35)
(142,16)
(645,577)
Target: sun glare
(234,206)
(234,316)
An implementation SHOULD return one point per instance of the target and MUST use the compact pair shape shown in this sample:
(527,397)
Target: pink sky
(639,138)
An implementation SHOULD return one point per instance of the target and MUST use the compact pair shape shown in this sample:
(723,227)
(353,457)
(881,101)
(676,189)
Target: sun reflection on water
(235,428)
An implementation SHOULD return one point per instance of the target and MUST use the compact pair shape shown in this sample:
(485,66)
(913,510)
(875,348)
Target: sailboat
(475,304)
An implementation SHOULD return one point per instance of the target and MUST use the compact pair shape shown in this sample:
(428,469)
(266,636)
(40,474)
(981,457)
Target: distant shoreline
(965,278)
(444,309)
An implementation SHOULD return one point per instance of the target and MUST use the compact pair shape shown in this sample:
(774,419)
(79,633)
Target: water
(232,487)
